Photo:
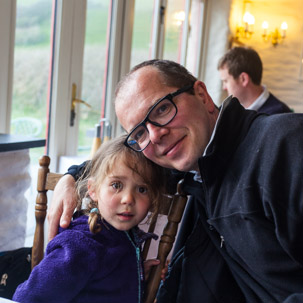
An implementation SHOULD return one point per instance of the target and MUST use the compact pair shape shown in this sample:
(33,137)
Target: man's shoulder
(279,126)
(274,106)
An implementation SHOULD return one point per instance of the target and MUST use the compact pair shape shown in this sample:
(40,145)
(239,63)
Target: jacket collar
(232,125)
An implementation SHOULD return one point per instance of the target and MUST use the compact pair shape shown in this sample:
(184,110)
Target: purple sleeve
(64,271)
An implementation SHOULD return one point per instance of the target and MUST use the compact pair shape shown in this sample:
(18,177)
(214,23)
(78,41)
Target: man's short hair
(171,74)
(243,59)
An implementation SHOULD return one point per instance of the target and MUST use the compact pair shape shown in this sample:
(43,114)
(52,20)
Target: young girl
(97,258)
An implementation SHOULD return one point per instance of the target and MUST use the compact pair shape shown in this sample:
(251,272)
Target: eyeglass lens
(160,115)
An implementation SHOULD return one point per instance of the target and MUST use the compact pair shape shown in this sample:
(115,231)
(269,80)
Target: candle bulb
(284,28)
(249,21)
(265,27)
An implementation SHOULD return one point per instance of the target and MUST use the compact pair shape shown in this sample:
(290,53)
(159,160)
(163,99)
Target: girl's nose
(128,197)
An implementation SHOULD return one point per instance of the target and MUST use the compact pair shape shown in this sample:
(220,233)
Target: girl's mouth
(125,216)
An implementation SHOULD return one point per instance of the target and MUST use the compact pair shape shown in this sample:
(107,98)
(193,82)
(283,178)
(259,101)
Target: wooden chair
(173,208)
(46,181)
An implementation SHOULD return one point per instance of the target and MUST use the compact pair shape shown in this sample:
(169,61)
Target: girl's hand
(164,270)
(154,262)
(148,265)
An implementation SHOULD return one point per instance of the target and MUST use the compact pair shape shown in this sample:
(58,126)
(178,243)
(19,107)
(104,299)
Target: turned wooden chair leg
(166,242)
(40,211)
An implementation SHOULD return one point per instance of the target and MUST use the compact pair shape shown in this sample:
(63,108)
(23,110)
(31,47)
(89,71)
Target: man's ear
(91,189)
(201,92)
(200,88)
(244,79)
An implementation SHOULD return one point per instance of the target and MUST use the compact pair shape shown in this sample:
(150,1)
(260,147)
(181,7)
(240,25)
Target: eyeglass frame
(169,97)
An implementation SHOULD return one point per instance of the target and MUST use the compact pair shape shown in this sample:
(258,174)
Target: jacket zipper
(207,205)
(139,269)
(222,241)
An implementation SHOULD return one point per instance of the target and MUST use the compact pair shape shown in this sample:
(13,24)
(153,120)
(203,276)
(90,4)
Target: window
(142,32)
(175,16)
(94,64)
(32,54)
(184,33)
(30,89)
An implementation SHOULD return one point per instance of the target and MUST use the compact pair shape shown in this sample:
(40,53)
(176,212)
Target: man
(241,73)
(244,171)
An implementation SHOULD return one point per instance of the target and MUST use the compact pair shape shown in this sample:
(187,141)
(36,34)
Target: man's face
(180,143)
(231,85)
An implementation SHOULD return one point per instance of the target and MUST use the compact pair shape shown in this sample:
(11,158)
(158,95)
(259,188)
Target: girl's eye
(116,185)
(142,190)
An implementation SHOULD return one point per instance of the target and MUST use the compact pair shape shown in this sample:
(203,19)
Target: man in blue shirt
(241,74)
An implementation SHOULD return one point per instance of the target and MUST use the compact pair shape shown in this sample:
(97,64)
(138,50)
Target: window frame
(7,38)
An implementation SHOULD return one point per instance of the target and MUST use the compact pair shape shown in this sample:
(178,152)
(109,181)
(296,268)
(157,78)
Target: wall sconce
(247,29)
(276,36)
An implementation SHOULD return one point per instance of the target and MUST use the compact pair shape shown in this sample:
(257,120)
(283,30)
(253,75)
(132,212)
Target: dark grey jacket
(250,206)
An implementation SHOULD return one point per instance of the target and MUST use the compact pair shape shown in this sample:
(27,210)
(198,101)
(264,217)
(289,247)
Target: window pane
(142,31)
(173,32)
(195,38)
(31,67)
(94,64)
(30,84)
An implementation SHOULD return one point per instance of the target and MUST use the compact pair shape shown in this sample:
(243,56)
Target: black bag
(15,268)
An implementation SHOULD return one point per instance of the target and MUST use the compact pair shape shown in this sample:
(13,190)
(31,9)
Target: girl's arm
(64,271)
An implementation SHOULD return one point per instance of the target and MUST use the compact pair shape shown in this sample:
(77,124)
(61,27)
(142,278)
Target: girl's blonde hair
(104,162)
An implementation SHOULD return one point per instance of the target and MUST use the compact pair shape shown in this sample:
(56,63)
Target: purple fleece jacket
(81,267)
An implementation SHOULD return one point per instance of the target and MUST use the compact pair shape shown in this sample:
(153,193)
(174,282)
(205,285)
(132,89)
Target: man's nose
(156,132)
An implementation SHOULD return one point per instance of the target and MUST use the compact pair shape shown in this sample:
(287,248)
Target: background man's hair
(243,59)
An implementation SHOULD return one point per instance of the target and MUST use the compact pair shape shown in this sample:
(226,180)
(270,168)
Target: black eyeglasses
(161,113)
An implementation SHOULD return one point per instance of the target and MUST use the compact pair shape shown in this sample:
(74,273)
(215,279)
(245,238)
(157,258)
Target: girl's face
(123,198)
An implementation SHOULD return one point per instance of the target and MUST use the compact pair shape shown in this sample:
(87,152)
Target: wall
(282,64)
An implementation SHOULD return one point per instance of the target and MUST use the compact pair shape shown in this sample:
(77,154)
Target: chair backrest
(46,181)
(173,207)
